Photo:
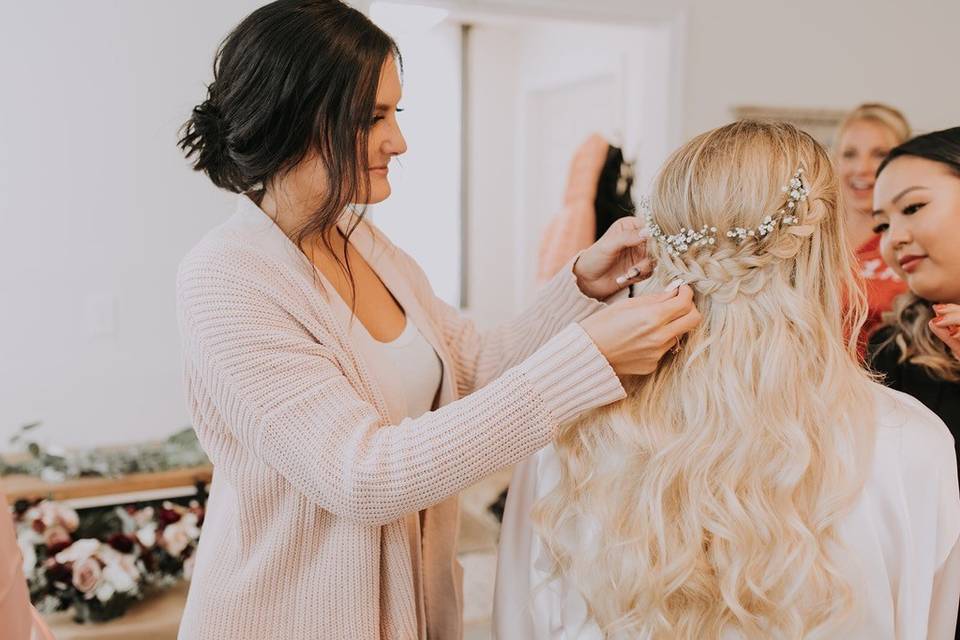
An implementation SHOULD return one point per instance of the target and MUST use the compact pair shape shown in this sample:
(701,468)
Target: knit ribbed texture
(304,535)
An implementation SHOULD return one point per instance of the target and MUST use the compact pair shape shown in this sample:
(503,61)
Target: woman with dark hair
(342,403)
(917,214)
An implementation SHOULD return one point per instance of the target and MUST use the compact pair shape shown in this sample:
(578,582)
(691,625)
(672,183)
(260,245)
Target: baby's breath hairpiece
(682,242)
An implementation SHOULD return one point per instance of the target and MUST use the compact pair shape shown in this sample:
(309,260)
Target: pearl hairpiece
(679,243)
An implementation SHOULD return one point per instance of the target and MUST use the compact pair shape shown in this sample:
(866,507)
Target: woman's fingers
(946,326)
(625,233)
(950,337)
(638,272)
(679,304)
(948,315)
(683,325)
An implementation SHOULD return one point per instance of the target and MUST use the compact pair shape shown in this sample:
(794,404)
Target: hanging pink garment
(574,228)
(20,621)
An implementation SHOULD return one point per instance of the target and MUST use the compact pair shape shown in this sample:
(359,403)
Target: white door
(576,80)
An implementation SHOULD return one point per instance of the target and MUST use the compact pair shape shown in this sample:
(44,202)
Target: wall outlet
(100,314)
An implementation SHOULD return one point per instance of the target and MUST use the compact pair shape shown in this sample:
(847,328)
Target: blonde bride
(759,484)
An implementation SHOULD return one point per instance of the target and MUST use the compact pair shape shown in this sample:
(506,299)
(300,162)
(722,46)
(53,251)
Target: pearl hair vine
(682,242)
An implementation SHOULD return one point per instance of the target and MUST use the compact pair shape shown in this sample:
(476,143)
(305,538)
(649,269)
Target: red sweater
(882,284)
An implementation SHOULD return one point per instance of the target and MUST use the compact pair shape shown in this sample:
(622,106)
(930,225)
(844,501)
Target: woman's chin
(378,193)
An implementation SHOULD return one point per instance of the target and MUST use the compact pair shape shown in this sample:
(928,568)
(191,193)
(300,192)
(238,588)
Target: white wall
(821,53)
(97,208)
(818,53)
(494,80)
(422,215)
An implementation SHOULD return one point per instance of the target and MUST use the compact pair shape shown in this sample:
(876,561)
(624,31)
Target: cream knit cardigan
(305,535)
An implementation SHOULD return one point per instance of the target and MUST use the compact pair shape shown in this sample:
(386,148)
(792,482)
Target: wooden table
(81,493)
(155,618)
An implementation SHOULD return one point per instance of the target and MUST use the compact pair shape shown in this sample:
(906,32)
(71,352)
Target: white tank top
(418,367)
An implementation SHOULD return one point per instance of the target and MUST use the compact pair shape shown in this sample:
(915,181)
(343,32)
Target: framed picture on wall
(820,123)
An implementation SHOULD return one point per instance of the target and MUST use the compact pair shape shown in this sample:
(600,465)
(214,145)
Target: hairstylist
(342,404)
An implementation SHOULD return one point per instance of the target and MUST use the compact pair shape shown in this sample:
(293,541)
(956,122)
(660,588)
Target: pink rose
(86,576)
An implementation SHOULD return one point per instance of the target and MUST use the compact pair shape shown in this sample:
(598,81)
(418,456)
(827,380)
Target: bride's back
(718,492)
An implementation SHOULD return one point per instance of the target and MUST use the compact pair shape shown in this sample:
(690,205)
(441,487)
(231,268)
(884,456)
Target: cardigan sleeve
(282,393)
(481,356)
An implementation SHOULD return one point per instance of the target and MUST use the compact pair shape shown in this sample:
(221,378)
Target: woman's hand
(946,326)
(622,248)
(633,334)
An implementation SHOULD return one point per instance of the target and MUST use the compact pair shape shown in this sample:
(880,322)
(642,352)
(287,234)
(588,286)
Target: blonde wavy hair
(717,486)
(886,116)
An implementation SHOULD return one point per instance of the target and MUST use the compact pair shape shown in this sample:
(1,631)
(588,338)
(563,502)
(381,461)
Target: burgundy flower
(38,526)
(54,549)
(57,572)
(167,516)
(121,542)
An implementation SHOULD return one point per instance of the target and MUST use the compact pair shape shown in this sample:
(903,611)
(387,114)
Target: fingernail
(676,284)
(938,309)
(938,321)
(622,280)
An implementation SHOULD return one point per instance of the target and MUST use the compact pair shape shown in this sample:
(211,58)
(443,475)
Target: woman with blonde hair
(759,484)
(864,137)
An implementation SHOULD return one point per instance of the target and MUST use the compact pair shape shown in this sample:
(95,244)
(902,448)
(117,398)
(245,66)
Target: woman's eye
(880,228)
(913,208)
(376,119)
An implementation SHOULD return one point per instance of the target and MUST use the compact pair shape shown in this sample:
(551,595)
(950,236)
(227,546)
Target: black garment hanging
(613,199)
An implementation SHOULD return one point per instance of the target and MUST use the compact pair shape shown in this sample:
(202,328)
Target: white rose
(69,518)
(144,517)
(176,538)
(189,521)
(148,535)
(105,592)
(129,565)
(29,556)
(119,578)
(78,551)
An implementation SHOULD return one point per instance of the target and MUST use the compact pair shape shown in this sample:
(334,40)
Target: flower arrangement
(53,463)
(100,562)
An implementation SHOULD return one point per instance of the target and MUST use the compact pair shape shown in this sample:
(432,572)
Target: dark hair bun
(295,76)
(206,136)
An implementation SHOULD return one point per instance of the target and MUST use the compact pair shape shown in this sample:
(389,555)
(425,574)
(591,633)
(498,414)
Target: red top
(882,284)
